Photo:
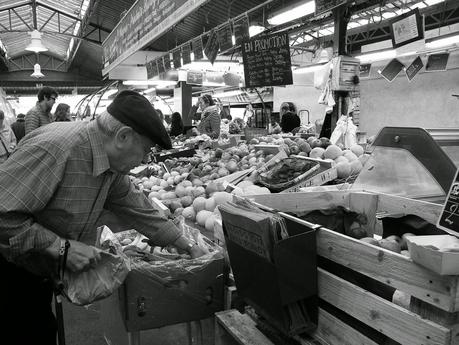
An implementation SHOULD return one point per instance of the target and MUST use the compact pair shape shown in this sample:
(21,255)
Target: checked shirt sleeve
(27,182)
(133,206)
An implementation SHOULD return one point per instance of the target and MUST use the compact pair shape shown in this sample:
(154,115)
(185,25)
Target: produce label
(392,69)
(449,218)
(267,60)
(437,62)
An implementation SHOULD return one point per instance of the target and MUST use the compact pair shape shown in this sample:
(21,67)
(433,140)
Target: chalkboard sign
(225,37)
(194,77)
(167,62)
(197,49)
(177,58)
(152,69)
(160,64)
(326,5)
(449,218)
(212,46)
(365,70)
(392,69)
(437,62)
(267,60)
(414,68)
(186,53)
(241,29)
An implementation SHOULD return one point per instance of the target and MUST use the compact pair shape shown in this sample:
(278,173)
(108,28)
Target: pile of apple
(393,242)
(191,199)
(348,162)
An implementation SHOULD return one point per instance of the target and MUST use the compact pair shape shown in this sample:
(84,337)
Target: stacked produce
(393,242)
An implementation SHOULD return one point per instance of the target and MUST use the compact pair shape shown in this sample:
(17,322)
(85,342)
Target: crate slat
(333,331)
(396,322)
(389,268)
(397,204)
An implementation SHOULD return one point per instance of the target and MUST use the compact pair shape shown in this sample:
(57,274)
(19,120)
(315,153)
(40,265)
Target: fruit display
(284,173)
(393,243)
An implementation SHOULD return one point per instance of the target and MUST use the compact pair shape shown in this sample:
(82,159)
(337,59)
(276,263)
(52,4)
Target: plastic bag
(345,132)
(85,287)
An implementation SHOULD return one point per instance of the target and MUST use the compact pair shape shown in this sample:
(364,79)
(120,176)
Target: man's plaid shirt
(58,182)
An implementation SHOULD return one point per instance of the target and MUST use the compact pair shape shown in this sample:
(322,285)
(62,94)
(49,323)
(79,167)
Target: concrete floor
(85,325)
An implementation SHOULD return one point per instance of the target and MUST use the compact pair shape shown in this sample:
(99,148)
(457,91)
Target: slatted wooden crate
(355,278)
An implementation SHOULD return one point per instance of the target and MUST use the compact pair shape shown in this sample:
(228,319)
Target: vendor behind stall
(210,117)
(53,189)
(289,119)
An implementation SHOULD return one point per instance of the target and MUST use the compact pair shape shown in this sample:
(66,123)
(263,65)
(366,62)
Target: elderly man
(53,190)
(7,139)
(40,114)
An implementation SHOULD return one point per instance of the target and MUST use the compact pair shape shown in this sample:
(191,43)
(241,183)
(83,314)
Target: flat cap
(134,110)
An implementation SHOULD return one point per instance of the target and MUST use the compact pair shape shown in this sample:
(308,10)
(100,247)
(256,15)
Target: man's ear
(124,137)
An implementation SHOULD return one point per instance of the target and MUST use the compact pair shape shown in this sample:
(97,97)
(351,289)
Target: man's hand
(81,257)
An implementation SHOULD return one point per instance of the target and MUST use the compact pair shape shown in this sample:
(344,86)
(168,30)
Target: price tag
(449,218)
(437,62)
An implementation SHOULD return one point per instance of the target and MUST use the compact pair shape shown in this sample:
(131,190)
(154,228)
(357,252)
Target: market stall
(364,245)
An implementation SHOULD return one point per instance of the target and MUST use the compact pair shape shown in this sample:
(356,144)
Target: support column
(182,101)
(341,16)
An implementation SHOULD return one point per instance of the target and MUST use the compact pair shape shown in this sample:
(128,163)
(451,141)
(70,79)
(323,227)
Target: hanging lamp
(37,71)
(36,45)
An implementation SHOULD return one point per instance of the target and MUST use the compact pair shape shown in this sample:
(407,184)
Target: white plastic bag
(345,132)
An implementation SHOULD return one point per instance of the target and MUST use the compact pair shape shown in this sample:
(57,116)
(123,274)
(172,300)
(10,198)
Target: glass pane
(398,172)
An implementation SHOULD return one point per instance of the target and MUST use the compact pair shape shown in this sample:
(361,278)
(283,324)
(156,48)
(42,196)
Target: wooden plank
(303,202)
(392,204)
(241,327)
(366,203)
(389,268)
(333,331)
(396,322)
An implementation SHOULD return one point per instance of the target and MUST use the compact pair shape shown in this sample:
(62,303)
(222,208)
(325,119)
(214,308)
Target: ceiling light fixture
(377,56)
(442,41)
(309,68)
(37,71)
(256,29)
(292,12)
(35,42)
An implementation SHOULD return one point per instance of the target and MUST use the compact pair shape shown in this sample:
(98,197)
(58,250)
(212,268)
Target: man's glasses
(53,98)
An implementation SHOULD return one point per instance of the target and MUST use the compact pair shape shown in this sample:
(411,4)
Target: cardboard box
(423,251)
(147,303)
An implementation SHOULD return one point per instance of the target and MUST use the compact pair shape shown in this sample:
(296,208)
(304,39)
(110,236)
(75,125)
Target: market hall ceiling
(74,29)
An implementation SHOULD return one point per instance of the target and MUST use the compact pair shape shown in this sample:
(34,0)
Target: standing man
(53,190)
(7,139)
(40,114)
(18,127)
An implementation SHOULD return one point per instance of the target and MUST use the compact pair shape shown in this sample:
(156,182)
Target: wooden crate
(354,278)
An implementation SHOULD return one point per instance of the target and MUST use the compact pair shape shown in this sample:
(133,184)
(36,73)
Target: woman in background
(62,113)
(176,124)
(210,118)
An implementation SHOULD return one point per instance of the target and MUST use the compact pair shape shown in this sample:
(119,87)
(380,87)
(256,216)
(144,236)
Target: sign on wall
(406,28)
(392,69)
(414,68)
(267,60)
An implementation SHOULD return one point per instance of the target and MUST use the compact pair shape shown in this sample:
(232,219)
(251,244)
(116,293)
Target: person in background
(54,188)
(7,139)
(18,127)
(210,118)
(176,124)
(62,113)
(163,119)
(289,120)
(40,114)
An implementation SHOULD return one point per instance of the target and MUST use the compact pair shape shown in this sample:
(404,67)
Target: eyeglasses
(53,98)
